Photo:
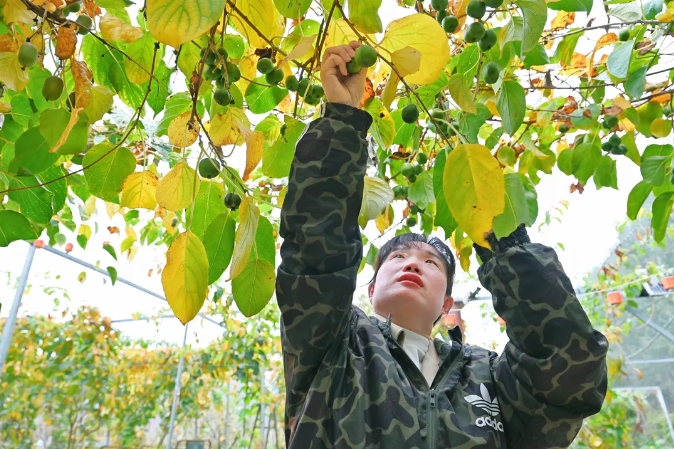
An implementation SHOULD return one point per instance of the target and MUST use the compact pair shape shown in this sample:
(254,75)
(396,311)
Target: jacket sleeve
(322,247)
(552,373)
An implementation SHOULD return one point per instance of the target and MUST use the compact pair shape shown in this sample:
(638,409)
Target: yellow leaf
(254,150)
(115,29)
(225,129)
(407,60)
(459,11)
(385,220)
(139,190)
(667,15)
(111,209)
(131,233)
(185,276)
(15,11)
(261,13)
(90,205)
(85,230)
(621,102)
(339,33)
(302,47)
(175,22)
(178,188)
(477,186)
(563,19)
(377,194)
(181,132)
(82,277)
(249,216)
(11,72)
(248,69)
(661,127)
(424,34)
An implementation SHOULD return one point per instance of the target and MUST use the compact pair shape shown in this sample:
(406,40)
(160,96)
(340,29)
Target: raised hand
(338,84)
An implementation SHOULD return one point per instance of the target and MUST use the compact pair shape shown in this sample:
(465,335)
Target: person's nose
(412,266)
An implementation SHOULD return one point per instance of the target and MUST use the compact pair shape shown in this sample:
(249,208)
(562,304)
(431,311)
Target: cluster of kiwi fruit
(614,146)
(411,171)
(217,68)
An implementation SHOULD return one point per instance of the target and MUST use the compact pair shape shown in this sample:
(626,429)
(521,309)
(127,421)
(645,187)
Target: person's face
(411,285)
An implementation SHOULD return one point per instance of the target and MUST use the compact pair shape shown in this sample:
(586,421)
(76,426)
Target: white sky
(587,232)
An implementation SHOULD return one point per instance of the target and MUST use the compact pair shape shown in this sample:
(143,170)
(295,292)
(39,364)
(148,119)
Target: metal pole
(119,279)
(661,400)
(664,332)
(176,391)
(8,329)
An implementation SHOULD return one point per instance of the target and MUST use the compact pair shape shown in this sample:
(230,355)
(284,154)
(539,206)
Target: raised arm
(322,247)
(552,372)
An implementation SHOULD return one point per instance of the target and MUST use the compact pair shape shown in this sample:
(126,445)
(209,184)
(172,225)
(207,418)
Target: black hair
(409,240)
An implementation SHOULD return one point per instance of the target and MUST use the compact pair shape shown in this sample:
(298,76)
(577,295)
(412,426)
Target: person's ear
(447,305)
(370,291)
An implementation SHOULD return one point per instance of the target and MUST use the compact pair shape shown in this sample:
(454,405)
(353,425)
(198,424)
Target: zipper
(432,420)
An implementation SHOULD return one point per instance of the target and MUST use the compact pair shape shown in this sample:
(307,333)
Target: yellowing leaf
(254,150)
(377,194)
(11,72)
(261,13)
(424,34)
(661,127)
(459,11)
(563,19)
(459,91)
(248,69)
(178,188)
(181,132)
(339,33)
(667,15)
(100,102)
(185,277)
(14,11)
(139,190)
(407,60)
(385,220)
(477,186)
(224,128)
(249,216)
(115,29)
(302,47)
(175,22)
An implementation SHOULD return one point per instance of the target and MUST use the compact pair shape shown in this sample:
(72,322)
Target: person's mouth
(410,279)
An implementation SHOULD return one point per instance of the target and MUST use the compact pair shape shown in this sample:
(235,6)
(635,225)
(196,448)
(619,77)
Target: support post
(661,330)
(176,391)
(8,328)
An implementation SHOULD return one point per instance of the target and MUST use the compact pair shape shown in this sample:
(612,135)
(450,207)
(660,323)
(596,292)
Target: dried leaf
(563,19)
(83,77)
(181,132)
(66,41)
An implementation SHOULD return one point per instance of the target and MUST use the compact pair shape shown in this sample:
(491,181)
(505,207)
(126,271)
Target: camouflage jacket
(350,385)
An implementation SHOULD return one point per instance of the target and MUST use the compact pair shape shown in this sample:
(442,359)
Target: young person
(355,381)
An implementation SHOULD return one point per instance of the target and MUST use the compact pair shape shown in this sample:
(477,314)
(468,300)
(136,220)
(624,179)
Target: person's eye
(396,255)
(433,262)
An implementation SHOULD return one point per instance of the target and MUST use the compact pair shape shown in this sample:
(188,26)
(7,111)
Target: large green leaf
(53,123)
(653,169)
(606,175)
(636,82)
(636,198)
(14,226)
(254,287)
(292,9)
(571,5)
(516,208)
(383,126)
(265,244)
(618,63)
(531,198)
(459,91)
(219,243)
(277,158)
(535,13)
(208,204)
(364,14)
(261,97)
(443,217)
(31,153)
(586,157)
(141,52)
(421,190)
(35,201)
(511,105)
(159,89)
(107,167)
(662,209)
(57,186)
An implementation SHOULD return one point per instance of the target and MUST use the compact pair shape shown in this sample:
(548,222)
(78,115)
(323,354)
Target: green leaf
(511,32)
(636,82)
(377,194)
(37,76)
(53,123)
(632,150)
(662,209)
(516,208)
(571,5)
(364,14)
(470,124)
(653,169)
(112,271)
(511,105)
(606,174)
(219,243)
(175,105)
(628,12)
(567,46)
(618,63)
(647,114)
(21,110)
(292,9)
(586,157)
(636,198)
(535,13)
(421,190)
(404,131)
(265,245)
(159,90)
(261,97)
(31,153)
(443,217)
(208,204)
(459,91)
(235,46)
(254,287)
(59,188)
(100,103)
(531,198)
(277,158)
(107,167)
(383,126)
(652,8)
(35,201)
(580,120)
(14,226)
(110,250)
(138,67)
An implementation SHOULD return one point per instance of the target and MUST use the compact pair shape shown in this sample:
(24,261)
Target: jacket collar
(397,333)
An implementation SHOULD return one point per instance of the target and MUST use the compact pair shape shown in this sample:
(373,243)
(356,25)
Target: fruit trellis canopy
(473,103)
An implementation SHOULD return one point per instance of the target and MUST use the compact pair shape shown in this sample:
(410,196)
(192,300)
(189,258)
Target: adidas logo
(484,402)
